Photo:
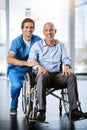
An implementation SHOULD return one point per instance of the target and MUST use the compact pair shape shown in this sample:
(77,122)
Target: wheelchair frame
(30,101)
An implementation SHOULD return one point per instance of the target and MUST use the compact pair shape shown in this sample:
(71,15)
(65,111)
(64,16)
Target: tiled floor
(53,120)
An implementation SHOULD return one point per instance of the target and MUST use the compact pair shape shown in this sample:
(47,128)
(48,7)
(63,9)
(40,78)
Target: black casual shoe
(13,112)
(76,114)
(40,117)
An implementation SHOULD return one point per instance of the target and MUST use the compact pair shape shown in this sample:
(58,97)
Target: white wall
(2,4)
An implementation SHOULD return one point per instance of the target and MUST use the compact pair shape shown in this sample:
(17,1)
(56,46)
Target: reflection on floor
(53,120)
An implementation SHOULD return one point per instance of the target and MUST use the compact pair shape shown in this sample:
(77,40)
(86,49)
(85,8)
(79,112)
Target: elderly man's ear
(56,40)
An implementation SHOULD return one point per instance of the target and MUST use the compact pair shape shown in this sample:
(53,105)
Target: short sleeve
(14,46)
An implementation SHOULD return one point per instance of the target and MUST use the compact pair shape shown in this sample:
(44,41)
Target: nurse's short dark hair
(27,20)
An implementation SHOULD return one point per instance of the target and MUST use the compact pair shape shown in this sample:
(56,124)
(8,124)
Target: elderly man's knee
(72,76)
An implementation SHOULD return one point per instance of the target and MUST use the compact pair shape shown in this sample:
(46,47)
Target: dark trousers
(46,80)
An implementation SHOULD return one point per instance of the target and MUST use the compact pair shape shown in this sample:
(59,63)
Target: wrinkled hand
(41,70)
(66,70)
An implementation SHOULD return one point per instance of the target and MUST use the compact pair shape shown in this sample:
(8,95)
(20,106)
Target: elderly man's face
(49,31)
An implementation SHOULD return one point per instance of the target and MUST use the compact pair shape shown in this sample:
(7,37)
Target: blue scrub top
(21,49)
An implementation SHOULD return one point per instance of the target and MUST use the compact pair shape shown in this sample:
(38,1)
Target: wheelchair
(30,100)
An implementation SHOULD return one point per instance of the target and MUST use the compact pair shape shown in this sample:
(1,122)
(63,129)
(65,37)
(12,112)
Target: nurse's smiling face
(27,30)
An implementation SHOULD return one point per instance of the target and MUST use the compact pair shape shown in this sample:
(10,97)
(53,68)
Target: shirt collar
(44,44)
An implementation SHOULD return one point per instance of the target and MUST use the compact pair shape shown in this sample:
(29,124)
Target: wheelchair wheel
(26,95)
(23,96)
(29,99)
(65,101)
(34,109)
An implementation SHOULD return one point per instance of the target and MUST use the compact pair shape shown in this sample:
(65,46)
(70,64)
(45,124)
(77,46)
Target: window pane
(81,37)
(2,42)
